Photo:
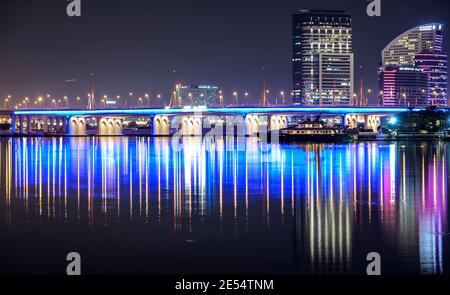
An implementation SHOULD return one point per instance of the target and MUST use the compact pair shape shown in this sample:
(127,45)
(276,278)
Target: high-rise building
(323,60)
(201,95)
(403,49)
(403,86)
(421,48)
(435,65)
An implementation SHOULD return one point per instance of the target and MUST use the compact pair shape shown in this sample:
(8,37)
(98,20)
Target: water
(137,206)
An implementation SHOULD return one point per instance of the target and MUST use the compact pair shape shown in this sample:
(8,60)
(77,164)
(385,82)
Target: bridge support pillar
(242,128)
(20,129)
(372,122)
(45,124)
(109,126)
(29,127)
(252,124)
(161,125)
(351,121)
(76,126)
(191,126)
(13,124)
(277,122)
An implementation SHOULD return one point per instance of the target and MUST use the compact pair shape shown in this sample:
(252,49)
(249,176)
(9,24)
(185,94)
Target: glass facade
(323,61)
(421,48)
(435,66)
(198,95)
(402,50)
(403,86)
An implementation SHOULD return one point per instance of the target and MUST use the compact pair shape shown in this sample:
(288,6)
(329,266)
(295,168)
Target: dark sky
(136,44)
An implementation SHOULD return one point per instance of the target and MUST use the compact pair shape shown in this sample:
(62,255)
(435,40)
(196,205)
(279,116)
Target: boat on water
(314,131)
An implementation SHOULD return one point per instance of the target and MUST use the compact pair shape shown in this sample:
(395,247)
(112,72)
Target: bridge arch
(277,122)
(161,125)
(109,126)
(77,126)
(252,124)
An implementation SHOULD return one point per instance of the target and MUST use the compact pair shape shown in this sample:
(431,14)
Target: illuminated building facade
(403,86)
(323,60)
(402,50)
(419,48)
(198,95)
(435,65)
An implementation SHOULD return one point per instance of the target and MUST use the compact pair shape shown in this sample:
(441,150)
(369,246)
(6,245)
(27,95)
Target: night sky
(135,45)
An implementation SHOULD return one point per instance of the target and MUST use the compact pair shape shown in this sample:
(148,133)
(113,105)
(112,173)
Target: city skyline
(28,71)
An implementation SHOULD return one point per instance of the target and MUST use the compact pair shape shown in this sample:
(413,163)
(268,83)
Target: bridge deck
(220,111)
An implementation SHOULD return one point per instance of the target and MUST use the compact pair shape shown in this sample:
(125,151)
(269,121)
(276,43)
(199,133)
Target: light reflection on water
(313,208)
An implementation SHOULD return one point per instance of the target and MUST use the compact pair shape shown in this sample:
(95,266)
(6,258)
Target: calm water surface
(138,206)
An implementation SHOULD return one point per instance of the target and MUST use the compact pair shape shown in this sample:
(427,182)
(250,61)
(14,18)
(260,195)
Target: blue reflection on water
(308,209)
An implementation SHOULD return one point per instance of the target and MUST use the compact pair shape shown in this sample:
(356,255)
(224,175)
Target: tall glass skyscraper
(419,48)
(323,60)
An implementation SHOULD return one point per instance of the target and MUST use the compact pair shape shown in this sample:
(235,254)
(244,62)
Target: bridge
(110,121)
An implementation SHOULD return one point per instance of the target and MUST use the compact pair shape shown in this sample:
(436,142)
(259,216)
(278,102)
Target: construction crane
(264,100)
(91,94)
(175,101)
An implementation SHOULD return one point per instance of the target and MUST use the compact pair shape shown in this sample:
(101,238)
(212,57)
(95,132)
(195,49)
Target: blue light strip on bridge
(240,111)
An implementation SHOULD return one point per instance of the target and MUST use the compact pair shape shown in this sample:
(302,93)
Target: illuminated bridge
(110,121)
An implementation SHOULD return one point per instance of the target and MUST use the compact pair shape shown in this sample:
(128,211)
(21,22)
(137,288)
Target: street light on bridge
(147,96)
(235,95)
(130,95)
(7,99)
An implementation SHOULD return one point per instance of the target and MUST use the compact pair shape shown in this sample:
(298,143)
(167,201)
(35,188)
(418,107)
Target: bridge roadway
(109,121)
(238,111)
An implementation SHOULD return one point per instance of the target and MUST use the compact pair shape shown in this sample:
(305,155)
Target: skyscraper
(403,49)
(323,60)
(419,48)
